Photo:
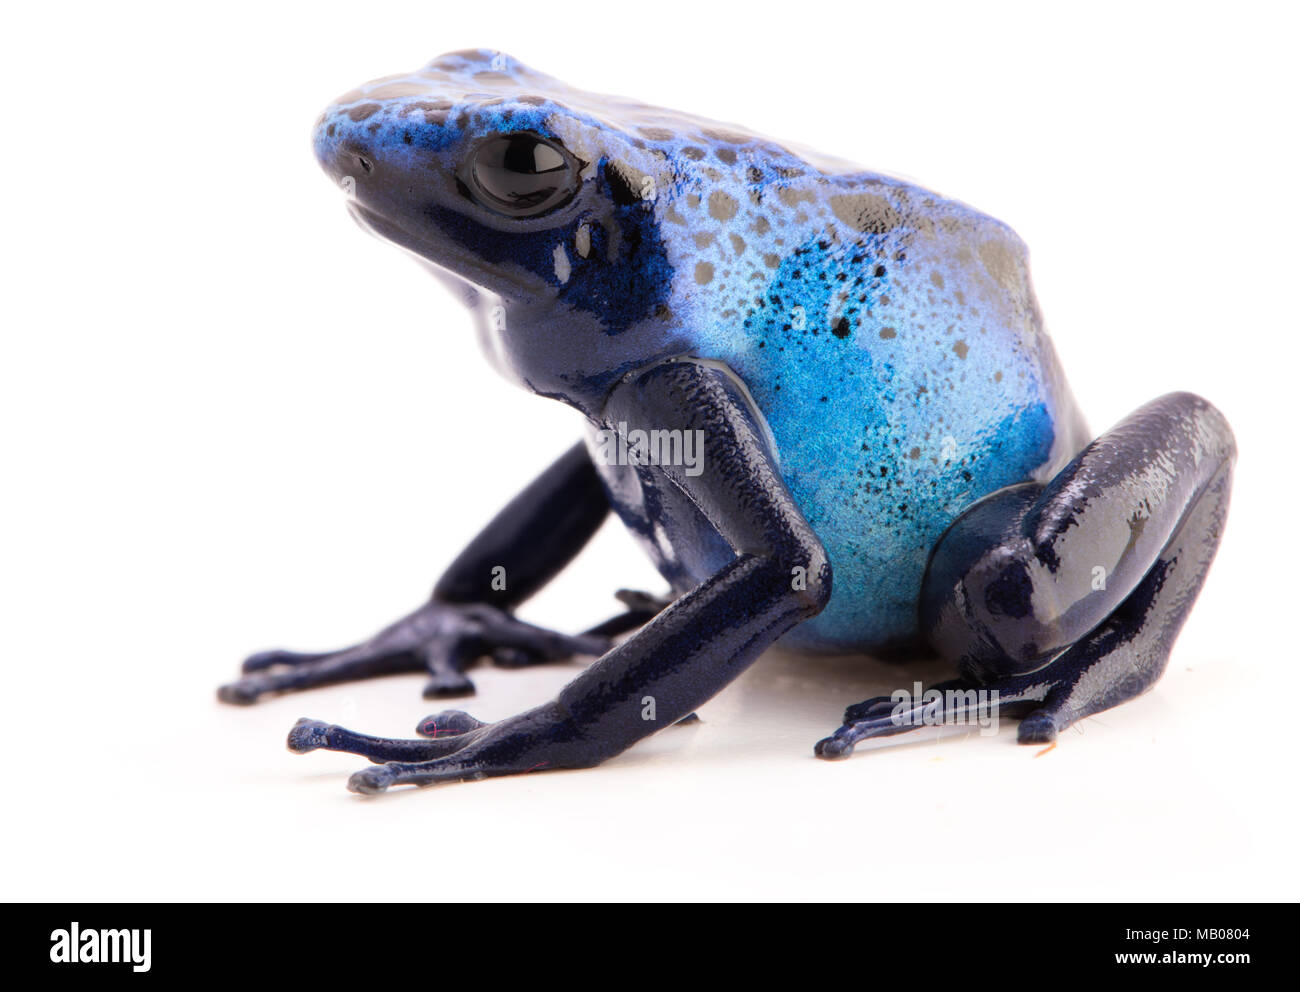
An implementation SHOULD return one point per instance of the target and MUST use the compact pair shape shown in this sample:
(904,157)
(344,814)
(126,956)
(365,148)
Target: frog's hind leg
(1066,598)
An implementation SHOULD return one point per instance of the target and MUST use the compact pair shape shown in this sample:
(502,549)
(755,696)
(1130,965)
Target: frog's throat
(461,265)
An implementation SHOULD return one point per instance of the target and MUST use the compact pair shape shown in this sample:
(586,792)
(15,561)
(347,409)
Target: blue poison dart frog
(821,398)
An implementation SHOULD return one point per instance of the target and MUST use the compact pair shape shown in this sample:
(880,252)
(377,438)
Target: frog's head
(457,163)
(519,185)
(594,234)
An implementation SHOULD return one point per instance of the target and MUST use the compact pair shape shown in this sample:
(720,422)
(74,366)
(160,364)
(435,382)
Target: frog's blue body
(875,347)
(889,337)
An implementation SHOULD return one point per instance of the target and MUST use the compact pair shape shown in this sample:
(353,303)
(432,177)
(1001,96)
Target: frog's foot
(458,748)
(443,639)
(954,703)
(438,737)
(1065,599)
(435,731)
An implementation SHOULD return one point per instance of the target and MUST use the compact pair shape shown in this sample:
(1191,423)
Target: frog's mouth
(462,266)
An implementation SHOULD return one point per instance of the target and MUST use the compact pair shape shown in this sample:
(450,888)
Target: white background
(232,421)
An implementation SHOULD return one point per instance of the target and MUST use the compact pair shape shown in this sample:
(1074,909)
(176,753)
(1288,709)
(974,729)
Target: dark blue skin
(877,401)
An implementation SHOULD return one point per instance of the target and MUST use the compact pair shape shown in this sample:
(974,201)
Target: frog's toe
(834,747)
(241,692)
(448,723)
(272,673)
(370,781)
(1039,727)
(314,735)
(517,658)
(870,709)
(263,660)
(377,779)
(308,735)
(448,684)
(956,702)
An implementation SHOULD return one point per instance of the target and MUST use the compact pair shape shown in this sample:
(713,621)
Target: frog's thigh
(1066,598)
(1030,570)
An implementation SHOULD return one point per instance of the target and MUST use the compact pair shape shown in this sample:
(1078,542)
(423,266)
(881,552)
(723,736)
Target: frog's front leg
(1066,598)
(780,576)
(440,733)
(470,616)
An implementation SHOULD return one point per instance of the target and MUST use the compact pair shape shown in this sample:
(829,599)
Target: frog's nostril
(367,166)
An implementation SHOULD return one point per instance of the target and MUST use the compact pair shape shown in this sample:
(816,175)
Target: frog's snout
(341,159)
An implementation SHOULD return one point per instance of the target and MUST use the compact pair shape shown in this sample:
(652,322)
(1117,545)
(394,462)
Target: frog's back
(891,339)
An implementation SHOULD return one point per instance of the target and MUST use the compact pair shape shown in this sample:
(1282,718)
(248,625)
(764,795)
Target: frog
(822,400)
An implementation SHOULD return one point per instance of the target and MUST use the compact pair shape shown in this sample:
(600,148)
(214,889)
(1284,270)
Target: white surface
(233,422)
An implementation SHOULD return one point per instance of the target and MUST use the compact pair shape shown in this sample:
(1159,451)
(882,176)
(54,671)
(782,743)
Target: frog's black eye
(522,174)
